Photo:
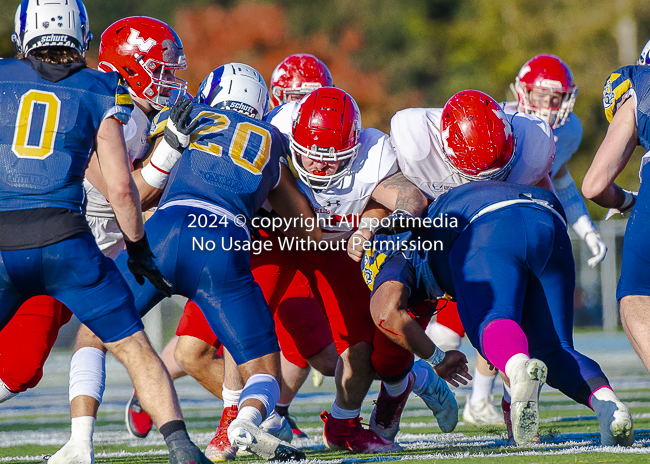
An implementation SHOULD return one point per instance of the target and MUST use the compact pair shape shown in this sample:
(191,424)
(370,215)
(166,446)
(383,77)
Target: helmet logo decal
(136,40)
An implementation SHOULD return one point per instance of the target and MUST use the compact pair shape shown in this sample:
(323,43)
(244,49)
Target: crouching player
(515,299)
(223,177)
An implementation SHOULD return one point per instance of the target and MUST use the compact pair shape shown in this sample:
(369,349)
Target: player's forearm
(396,192)
(572,202)
(126,206)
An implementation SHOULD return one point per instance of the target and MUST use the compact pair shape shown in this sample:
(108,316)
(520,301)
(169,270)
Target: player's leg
(490,276)
(26,342)
(548,321)
(343,293)
(116,322)
(240,318)
(305,339)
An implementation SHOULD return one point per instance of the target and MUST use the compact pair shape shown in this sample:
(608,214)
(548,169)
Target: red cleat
(348,434)
(220,449)
(385,417)
(138,422)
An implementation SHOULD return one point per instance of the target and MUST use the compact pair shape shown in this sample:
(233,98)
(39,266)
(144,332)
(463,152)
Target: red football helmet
(553,80)
(477,139)
(296,76)
(326,128)
(147,53)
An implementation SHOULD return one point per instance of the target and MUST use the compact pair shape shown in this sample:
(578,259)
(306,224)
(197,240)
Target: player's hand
(397,222)
(628,204)
(597,247)
(177,130)
(453,368)
(142,265)
(356,242)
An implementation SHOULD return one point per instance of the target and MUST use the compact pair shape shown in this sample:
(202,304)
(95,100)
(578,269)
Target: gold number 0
(244,152)
(48,129)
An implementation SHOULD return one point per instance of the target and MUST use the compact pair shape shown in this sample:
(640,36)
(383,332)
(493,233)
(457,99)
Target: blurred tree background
(391,55)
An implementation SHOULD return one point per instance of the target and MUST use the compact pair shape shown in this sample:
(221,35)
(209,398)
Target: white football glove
(597,247)
(626,207)
(588,233)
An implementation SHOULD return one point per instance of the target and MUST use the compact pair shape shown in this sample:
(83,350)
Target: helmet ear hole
(129,71)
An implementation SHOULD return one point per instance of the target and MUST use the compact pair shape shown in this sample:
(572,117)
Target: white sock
(482,386)
(230,397)
(252,414)
(506,393)
(514,363)
(397,388)
(82,429)
(339,413)
(421,378)
(5,393)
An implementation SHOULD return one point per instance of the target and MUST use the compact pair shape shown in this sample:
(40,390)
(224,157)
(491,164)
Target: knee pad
(444,338)
(264,388)
(88,373)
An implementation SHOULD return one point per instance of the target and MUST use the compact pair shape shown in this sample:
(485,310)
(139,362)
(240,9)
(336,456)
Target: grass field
(37,423)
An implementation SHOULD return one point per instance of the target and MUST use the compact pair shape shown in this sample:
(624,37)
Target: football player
(514,147)
(76,109)
(146,53)
(296,76)
(624,98)
(224,176)
(515,298)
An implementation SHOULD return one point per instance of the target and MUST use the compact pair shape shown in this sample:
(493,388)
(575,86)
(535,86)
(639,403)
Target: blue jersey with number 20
(233,161)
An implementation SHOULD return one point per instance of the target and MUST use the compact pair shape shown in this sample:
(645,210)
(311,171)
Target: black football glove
(177,130)
(142,265)
(397,222)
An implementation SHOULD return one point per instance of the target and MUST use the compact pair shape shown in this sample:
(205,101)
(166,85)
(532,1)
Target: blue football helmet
(55,23)
(236,87)
(644,58)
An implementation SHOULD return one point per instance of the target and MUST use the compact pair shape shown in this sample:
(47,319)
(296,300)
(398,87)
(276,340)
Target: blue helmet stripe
(23,17)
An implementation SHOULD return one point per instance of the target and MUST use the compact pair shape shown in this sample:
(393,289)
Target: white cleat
(244,434)
(526,384)
(278,426)
(482,413)
(439,399)
(72,453)
(616,427)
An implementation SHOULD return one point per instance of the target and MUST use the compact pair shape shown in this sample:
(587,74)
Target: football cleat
(220,449)
(278,426)
(188,455)
(297,433)
(439,399)
(348,434)
(526,384)
(616,428)
(385,416)
(505,406)
(482,413)
(244,434)
(72,453)
(138,422)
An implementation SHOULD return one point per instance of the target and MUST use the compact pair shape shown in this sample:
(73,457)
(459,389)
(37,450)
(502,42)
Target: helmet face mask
(548,77)
(296,76)
(478,141)
(326,129)
(235,87)
(57,23)
(147,53)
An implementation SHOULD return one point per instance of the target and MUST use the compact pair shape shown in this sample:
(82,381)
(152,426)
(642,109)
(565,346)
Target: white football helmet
(55,23)
(236,87)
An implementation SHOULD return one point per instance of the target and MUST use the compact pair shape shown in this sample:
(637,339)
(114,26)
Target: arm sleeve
(573,204)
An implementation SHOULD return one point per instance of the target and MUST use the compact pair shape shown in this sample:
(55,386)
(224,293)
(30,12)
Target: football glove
(177,131)
(142,265)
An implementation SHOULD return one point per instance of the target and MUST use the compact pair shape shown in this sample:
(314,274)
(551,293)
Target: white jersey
(415,137)
(135,136)
(338,208)
(282,117)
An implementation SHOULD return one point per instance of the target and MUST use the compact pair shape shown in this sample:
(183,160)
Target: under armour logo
(335,203)
(143,45)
